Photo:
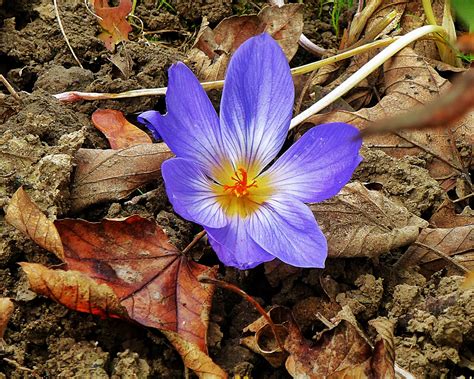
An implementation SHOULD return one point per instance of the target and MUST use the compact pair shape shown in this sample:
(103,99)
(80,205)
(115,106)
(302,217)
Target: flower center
(241,186)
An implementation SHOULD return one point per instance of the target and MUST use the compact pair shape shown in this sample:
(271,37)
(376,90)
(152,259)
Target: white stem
(365,71)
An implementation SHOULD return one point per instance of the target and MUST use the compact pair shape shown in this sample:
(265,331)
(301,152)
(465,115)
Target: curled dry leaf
(120,133)
(104,175)
(457,243)
(358,222)
(409,82)
(6,310)
(25,215)
(213,48)
(113,21)
(341,351)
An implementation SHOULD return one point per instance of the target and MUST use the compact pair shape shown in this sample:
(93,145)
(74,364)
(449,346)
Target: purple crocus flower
(219,179)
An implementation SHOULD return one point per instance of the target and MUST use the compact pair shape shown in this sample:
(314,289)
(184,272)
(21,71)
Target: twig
(72,96)
(365,71)
(250,299)
(9,87)
(56,10)
(194,241)
(17,365)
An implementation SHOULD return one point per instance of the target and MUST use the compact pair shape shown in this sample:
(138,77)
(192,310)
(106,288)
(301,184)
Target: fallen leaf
(75,290)
(383,358)
(341,351)
(113,21)
(457,243)
(358,222)
(157,284)
(6,310)
(409,82)
(120,133)
(25,215)
(213,48)
(105,175)
(194,358)
(446,217)
(127,268)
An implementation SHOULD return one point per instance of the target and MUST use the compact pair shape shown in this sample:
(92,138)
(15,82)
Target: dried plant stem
(365,71)
(442,255)
(77,95)
(9,87)
(250,299)
(194,241)
(56,10)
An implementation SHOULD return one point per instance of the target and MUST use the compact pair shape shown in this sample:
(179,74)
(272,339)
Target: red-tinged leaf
(120,133)
(75,290)
(25,215)
(113,21)
(153,280)
(6,310)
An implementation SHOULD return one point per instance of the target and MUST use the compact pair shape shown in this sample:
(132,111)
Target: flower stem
(365,71)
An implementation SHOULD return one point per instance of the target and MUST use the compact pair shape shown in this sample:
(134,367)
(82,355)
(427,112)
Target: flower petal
(190,192)
(234,247)
(257,103)
(319,164)
(191,126)
(286,228)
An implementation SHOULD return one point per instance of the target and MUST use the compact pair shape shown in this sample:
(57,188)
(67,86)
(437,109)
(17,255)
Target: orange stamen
(241,186)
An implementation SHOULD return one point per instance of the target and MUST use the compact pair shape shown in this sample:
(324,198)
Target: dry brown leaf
(409,81)
(457,243)
(341,351)
(105,175)
(194,358)
(25,215)
(446,217)
(6,310)
(213,48)
(383,358)
(74,289)
(127,268)
(358,222)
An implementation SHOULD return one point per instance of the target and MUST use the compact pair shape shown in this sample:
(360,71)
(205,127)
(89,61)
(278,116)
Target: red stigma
(240,188)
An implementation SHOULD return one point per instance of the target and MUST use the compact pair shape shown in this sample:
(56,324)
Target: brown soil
(38,139)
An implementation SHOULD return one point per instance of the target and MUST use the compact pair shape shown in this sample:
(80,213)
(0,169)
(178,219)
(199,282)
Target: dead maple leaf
(24,215)
(128,269)
(358,222)
(6,310)
(409,82)
(120,133)
(213,48)
(104,175)
(433,244)
(113,21)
